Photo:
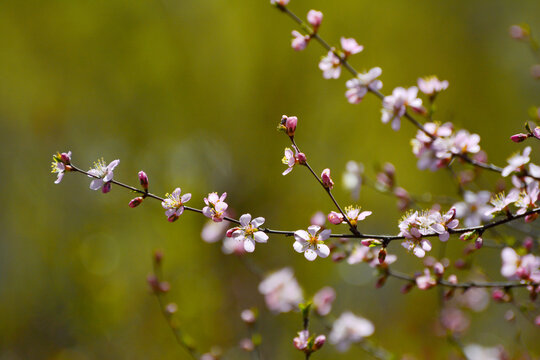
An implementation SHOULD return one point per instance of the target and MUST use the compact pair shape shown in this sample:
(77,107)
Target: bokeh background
(191,92)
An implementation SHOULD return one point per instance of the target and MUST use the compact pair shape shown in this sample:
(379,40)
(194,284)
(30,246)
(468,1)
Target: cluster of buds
(308,343)
(143,180)
(300,41)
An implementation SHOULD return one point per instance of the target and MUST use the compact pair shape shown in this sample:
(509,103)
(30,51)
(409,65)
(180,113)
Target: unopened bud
(370,242)
(290,125)
(301,158)
(158,257)
(171,308)
(326,179)
(143,179)
(460,264)
(247,345)
(536,132)
(528,243)
(335,218)
(380,282)
(438,269)
(135,202)
(249,316)
(172,218)
(531,217)
(406,288)
(230,232)
(467,236)
(106,187)
(66,158)
(499,295)
(318,342)
(382,255)
(314,18)
(478,243)
(517,138)
(518,32)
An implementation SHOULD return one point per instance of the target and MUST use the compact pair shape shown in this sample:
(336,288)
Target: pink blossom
(352,178)
(213,231)
(279,2)
(143,179)
(349,329)
(311,242)
(136,202)
(517,138)
(514,266)
(518,32)
(395,105)
(501,202)
(361,253)
(431,85)
(323,299)
(249,316)
(318,219)
(425,281)
(454,320)
(330,66)
(299,41)
(359,86)
(61,164)
(248,233)
(231,246)
(441,223)
(413,226)
(433,153)
(215,206)
(474,208)
(464,142)
(102,175)
(314,18)
(326,179)
(477,352)
(527,198)
(350,46)
(301,341)
(290,159)
(281,291)
(174,204)
(517,162)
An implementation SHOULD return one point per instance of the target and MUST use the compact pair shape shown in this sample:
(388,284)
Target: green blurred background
(191,92)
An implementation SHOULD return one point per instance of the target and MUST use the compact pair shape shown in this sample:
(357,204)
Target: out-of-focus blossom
(311,242)
(279,2)
(431,85)
(474,208)
(60,164)
(299,40)
(535,71)
(349,329)
(247,345)
(361,253)
(314,19)
(174,204)
(323,299)
(330,66)
(426,281)
(360,85)
(476,299)
(501,202)
(465,143)
(214,231)
(454,320)
(518,32)
(215,206)
(318,219)
(281,291)
(301,341)
(478,352)
(231,246)
(305,342)
(352,178)
(249,316)
(517,162)
(104,174)
(350,46)
(395,105)
(526,267)
(248,233)
(326,179)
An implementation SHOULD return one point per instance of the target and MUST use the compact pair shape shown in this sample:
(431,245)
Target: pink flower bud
(478,243)
(230,232)
(335,218)
(164,286)
(460,264)
(380,282)
(143,179)
(537,320)
(536,131)
(299,41)
(314,18)
(106,187)
(66,158)
(528,243)
(370,242)
(158,256)
(172,218)
(517,138)
(535,71)
(406,288)
(518,32)
(498,295)
(153,282)
(382,255)
(453,279)
(531,217)
(171,308)
(321,339)
(326,179)
(248,316)
(438,269)
(135,202)
(247,345)
(290,124)
(301,157)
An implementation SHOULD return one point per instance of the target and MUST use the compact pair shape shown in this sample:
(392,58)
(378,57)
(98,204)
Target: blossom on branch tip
(350,46)
(215,206)
(248,233)
(281,291)
(330,66)
(395,105)
(431,85)
(314,19)
(288,124)
(326,179)
(290,159)
(299,40)
(174,204)
(60,164)
(311,242)
(360,85)
(102,174)
(349,329)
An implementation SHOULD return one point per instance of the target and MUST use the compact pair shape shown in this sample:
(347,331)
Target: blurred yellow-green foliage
(191,92)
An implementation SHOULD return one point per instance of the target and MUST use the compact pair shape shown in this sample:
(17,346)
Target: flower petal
(245,219)
(301,236)
(257,222)
(310,254)
(261,237)
(323,250)
(249,245)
